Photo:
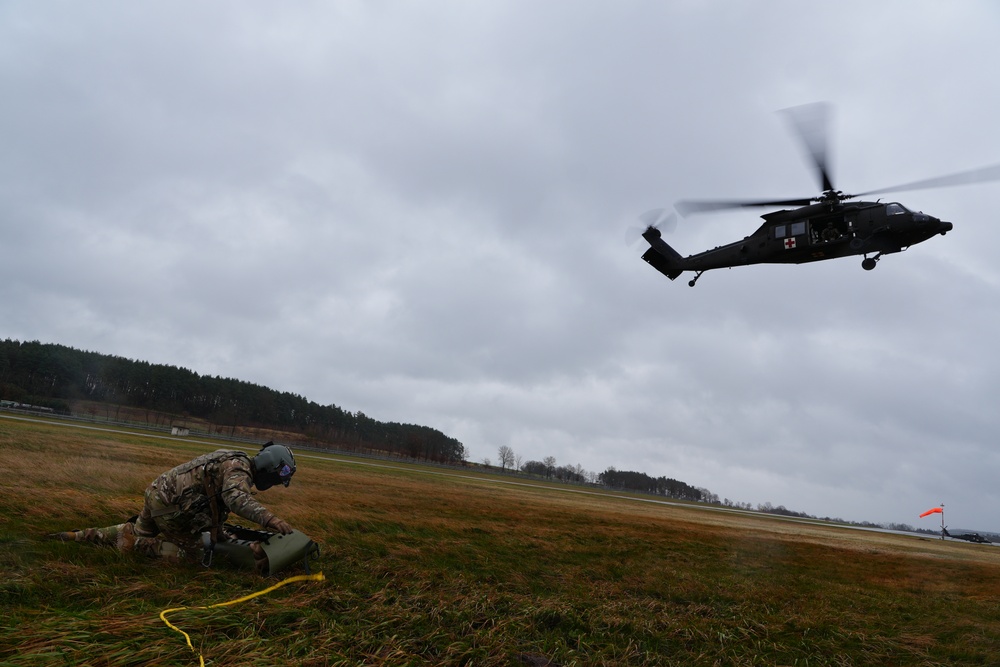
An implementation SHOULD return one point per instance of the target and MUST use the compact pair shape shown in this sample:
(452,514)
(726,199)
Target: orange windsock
(933,510)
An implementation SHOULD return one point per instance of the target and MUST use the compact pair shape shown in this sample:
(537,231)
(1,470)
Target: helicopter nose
(945,227)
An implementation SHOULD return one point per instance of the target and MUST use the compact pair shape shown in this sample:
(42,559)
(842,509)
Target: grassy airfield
(430,567)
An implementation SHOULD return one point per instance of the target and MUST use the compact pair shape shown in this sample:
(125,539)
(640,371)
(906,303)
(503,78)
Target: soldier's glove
(279,526)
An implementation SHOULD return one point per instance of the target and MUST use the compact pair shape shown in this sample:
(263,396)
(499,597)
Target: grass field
(425,567)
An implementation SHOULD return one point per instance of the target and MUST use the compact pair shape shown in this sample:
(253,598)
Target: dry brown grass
(429,567)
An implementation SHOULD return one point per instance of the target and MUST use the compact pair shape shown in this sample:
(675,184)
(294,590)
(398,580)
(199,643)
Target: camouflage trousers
(123,537)
(165,531)
(159,531)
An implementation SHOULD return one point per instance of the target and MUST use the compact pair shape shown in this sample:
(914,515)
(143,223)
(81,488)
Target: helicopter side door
(831,229)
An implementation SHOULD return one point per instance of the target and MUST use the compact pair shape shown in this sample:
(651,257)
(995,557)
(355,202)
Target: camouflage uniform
(184,502)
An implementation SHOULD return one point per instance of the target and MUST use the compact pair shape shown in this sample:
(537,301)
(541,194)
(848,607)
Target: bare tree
(506,455)
(550,465)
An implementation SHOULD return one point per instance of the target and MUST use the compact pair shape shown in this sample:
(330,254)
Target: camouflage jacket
(229,479)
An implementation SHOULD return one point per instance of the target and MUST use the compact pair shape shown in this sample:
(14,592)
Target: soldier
(196,498)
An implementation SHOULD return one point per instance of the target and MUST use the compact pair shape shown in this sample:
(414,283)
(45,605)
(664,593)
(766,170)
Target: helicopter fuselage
(808,234)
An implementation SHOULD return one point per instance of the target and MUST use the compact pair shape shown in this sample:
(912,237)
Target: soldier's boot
(64,536)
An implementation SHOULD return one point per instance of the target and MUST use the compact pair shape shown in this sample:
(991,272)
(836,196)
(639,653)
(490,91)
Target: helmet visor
(285,474)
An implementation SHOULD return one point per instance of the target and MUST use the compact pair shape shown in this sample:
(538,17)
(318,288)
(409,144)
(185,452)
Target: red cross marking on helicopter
(789,243)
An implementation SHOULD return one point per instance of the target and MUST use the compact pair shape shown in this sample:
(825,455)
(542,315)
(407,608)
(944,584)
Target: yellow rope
(163,614)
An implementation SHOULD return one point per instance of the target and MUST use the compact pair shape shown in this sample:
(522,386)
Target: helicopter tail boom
(661,256)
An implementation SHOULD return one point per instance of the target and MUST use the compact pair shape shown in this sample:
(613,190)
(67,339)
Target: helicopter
(827,226)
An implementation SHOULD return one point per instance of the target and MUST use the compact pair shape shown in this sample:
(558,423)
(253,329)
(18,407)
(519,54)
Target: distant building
(14,405)
(180,430)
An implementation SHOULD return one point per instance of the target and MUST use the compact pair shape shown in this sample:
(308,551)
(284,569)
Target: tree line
(622,480)
(628,480)
(50,375)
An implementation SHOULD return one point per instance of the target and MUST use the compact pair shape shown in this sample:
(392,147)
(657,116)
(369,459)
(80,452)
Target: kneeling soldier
(184,505)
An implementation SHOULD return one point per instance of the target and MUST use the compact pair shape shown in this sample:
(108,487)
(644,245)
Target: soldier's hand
(279,525)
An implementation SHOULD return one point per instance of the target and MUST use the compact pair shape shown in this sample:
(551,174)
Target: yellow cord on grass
(163,614)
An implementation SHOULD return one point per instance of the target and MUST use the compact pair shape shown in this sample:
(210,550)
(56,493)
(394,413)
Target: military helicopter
(824,227)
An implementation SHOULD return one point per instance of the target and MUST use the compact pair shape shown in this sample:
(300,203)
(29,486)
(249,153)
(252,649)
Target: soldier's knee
(146,527)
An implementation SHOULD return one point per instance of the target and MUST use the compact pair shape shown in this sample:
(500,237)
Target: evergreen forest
(53,377)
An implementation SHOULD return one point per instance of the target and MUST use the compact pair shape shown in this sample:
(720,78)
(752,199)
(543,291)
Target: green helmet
(274,464)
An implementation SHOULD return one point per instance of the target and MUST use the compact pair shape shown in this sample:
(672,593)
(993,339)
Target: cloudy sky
(418,210)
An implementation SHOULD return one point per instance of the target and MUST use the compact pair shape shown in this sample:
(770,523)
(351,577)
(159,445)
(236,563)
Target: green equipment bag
(282,551)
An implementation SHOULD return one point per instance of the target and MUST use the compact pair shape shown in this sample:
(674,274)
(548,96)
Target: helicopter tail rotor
(657,218)
(661,218)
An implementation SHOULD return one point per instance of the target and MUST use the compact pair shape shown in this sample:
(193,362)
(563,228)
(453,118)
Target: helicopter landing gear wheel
(868,263)
(695,279)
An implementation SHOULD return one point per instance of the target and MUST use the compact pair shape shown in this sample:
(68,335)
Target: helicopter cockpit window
(779,232)
(894,209)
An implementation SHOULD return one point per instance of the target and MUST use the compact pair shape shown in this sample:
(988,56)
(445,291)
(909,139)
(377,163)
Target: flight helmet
(274,464)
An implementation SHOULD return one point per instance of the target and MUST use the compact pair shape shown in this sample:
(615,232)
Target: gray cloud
(418,212)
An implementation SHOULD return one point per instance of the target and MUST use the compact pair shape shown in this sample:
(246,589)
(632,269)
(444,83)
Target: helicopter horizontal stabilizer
(661,256)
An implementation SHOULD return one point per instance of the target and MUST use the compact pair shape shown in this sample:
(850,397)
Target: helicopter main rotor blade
(982,175)
(810,122)
(689,207)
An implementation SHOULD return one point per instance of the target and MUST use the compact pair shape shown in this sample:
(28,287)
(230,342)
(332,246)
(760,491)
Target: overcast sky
(418,210)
